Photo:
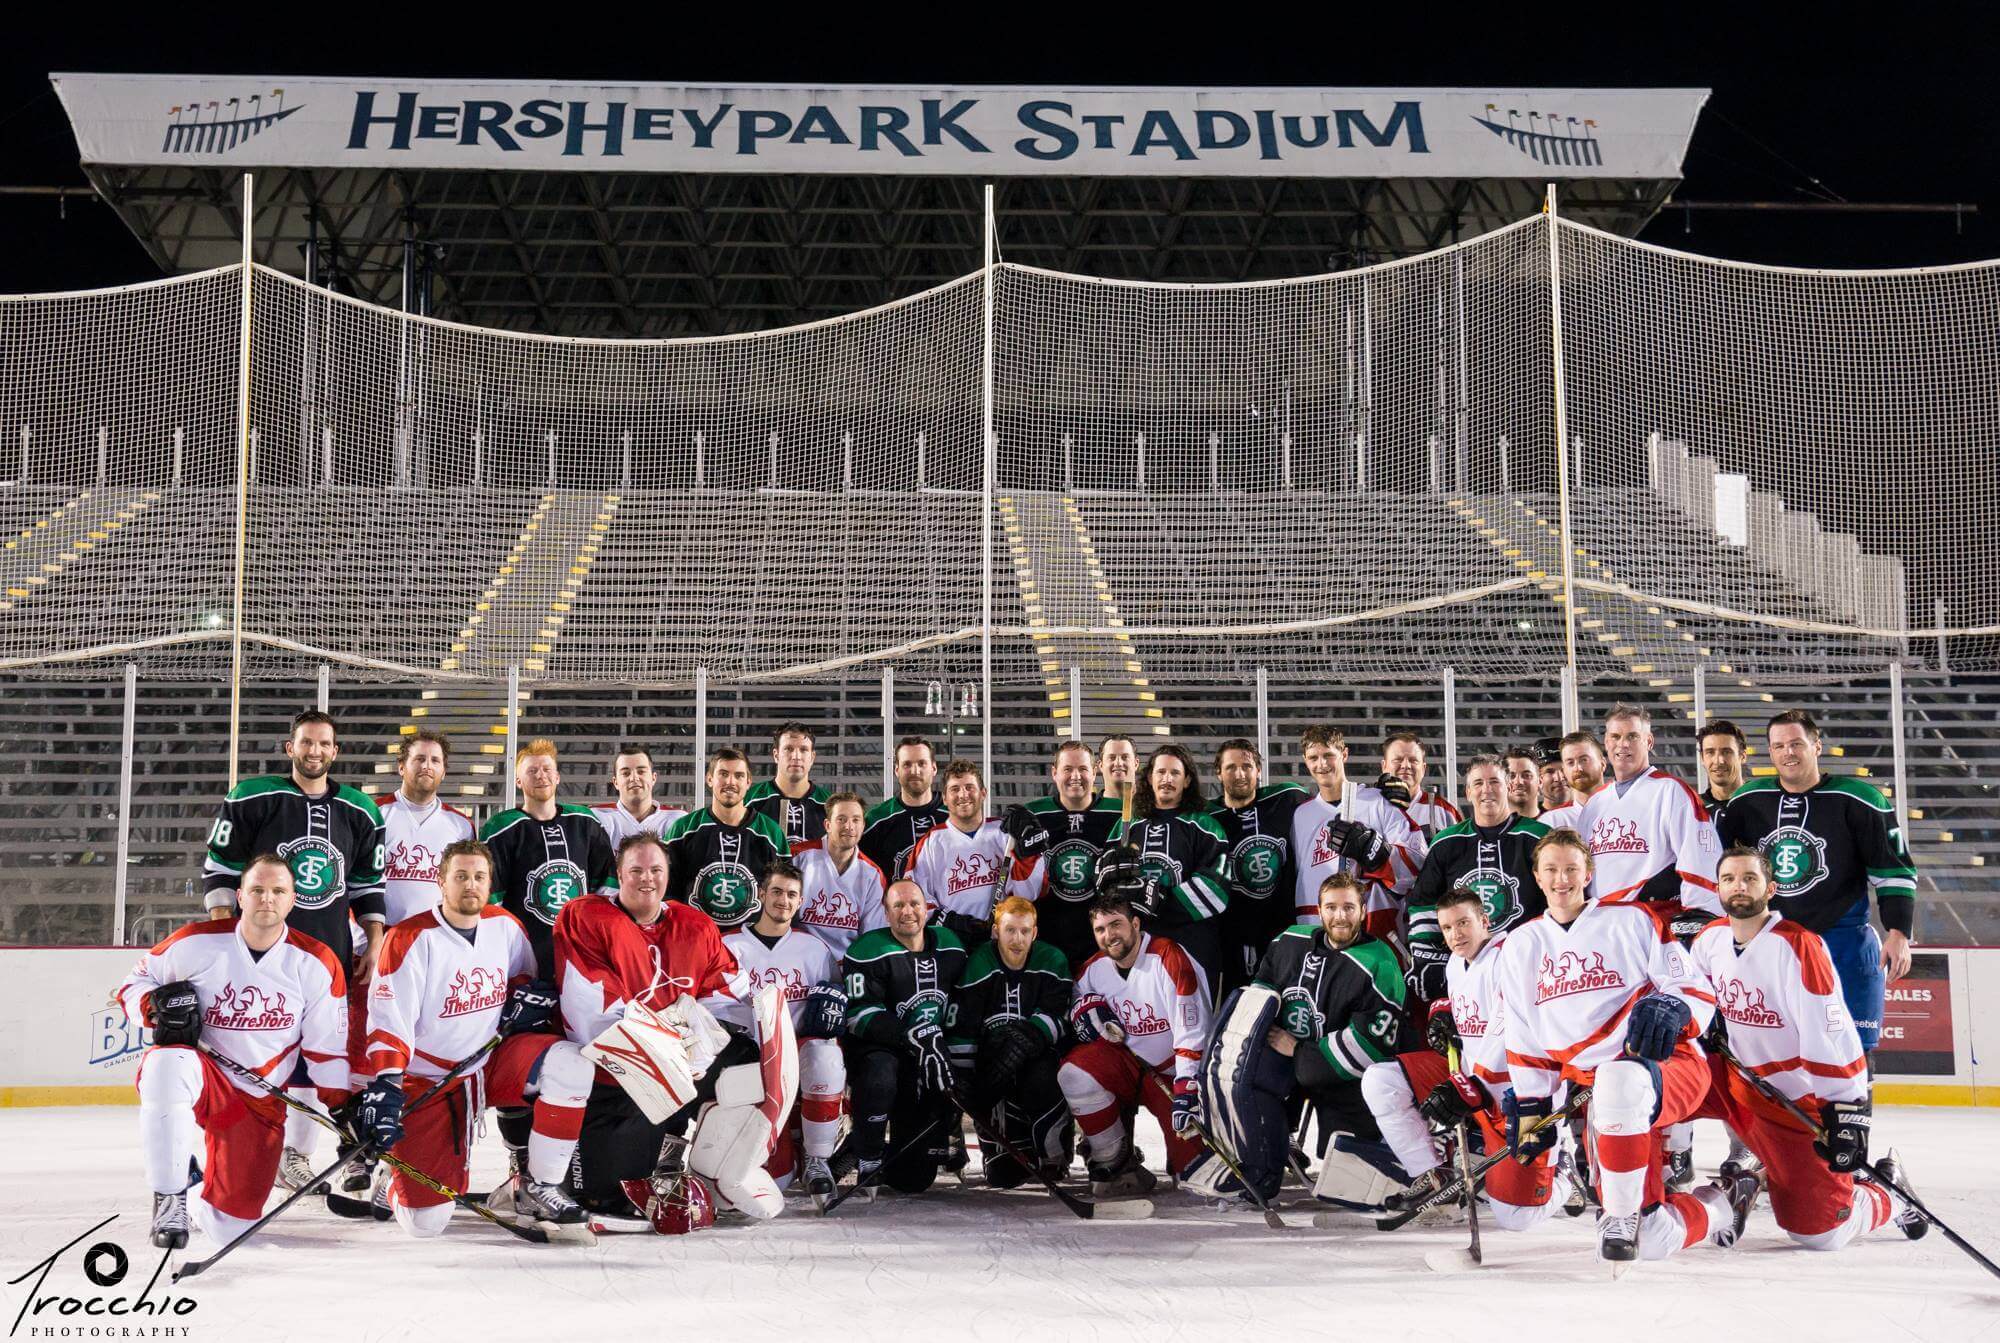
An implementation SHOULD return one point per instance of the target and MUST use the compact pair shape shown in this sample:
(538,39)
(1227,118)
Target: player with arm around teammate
(843,886)
(964,865)
(1063,835)
(1377,843)
(1256,821)
(1491,852)
(1172,860)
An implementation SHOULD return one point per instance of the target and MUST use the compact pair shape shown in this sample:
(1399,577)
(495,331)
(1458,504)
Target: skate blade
(1460,1260)
(1616,1268)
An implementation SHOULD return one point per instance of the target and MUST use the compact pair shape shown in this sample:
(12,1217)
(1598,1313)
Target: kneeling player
(1779,1001)
(899,985)
(1140,1017)
(1424,1085)
(447,980)
(257,992)
(1602,995)
(1007,1038)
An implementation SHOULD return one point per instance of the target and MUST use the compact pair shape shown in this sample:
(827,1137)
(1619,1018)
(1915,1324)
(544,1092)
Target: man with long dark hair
(1172,858)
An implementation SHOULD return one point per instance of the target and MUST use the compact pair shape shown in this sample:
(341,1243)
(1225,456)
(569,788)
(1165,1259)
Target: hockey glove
(1358,844)
(530,1007)
(1187,1106)
(1118,871)
(1009,1047)
(967,929)
(174,1012)
(1030,836)
(1454,1101)
(1522,1112)
(1657,1023)
(933,1064)
(824,1015)
(378,1112)
(1392,787)
(1427,975)
(1441,1028)
(1844,1144)
(1685,923)
(1090,1017)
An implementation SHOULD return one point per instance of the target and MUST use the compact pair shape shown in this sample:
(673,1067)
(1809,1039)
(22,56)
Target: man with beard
(1064,835)
(1723,750)
(1548,755)
(1256,821)
(545,853)
(1524,783)
(1007,1040)
(963,865)
(1583,768)
(1171,859)
(892,827)
(790,797)
(843,887)
(1376,843)
(417,827)
(1493,854)
(718,851)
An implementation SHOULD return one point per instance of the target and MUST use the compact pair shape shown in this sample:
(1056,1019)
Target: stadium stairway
(46,544)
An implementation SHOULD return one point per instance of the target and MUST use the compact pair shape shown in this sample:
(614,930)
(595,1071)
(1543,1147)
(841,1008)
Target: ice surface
(968,1262)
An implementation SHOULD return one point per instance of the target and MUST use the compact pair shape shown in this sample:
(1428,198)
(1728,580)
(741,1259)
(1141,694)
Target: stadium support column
(701,733)
(127,748)
(242,489)
(513,730)
(1700,720)
(888,732)
(986,505)
(1902,755)
(1263,714)
(1450,731)
(1565,536)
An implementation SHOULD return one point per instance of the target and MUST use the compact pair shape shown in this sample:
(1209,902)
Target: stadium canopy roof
(651,210)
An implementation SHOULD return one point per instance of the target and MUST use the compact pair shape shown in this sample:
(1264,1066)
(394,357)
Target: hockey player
(449,979)
(1583,768)
(1411,1092)
(1723,748)
(1007,1038)
(894,825)
(1256,821)
(417,827)
(790,797)
(1599,993)
(1140,1017)
(545,853)
(633,775)
(1118,763)
(964,865)
(1402,782)
(1063,835)
(1831,842)
(1171,859)
(1779,1008)
(1377,843)
(1649,835)
(1523,770)
(772,952)
(1548,755)
(843,887)
(719,849)
(331,837)
(262,995)
(899,985)
(1492,853)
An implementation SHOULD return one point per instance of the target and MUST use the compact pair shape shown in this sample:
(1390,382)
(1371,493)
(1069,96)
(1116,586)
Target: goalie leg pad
(731,1142)
(1358,1174)
(1244,1083)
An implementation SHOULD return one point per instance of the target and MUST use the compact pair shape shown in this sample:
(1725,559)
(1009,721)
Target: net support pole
(986,503)
(325,686)
(1450,731)
(1938,618)
(1900,746)
(1700,718)
(513,728)
(242,492)
(888,732)
(1076,703)
(700,732)
(1263,713)
(1564,535)
(127,749)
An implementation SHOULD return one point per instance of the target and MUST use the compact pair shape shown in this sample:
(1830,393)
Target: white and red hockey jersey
(1787,1020)
(413,842)
(1480,1013)
(966,874)
(1638,830)
(1568,817)
(621,824)
(1567,991)
(437,996)
(839,906)
(1431,812)
(259,1011)
(1162,1002)
(604,958)
(794,963)
(1316,860)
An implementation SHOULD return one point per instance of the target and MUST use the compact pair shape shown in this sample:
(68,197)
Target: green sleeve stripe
(1379,960)
(857,1018)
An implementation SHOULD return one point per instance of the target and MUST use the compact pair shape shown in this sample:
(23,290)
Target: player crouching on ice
(1426,1085)
(260,995)
(1780,1013)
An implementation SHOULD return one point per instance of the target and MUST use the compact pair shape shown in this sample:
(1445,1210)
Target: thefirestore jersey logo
(830,907)
(249,1008)
(92,1295)
(1614,834)
(1743,1005)
(210,126)
(474,990)
(1571,973)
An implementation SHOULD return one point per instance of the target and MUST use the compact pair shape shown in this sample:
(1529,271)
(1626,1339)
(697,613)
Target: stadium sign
(201,121)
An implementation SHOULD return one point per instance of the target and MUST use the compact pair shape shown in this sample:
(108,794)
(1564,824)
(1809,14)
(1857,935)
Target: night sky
(1869,109)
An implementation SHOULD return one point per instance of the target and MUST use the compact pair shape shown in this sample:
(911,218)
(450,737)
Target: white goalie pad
(1346,1178)
(649,1053)
(736,1134)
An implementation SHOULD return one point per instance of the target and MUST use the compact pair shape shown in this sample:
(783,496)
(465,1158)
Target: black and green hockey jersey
(1187,851)
(1259,837)
(540,866)
(801,819)
(332,843)
(891,988)
(717,867)
(891,829)
(1347,1005)
(1065,874)
(1829,847)
(990,993)
(1499,860)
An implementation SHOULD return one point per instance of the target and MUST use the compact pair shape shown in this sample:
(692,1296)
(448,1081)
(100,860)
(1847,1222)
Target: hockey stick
(1813,1127)
(874,1177)
(1472,1251)
(1228,1160)
(1110,1209)
(1450,1192)
(357,1208)
(361,1149)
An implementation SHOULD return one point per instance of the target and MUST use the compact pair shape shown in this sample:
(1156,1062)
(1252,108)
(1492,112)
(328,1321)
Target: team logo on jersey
(1298,1015)
(1614,834)
(1073,869)
(1498,891)
(1465,1012)
(926,1004)
(786,979)
(319,870)
(474,990)
(1140,1018)
(1571,973)
(1076,820)
(412,862)
(726,891)
(249,1008)
(1259,859)
(830,908)
(972,872)
(1798,858)
(551,886)
(1743,1005)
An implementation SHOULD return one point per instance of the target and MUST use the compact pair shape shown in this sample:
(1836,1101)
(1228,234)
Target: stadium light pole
(986,509)
(1569,706)
(242,490)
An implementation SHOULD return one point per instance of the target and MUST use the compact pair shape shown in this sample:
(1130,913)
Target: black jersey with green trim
(1064,879)
(802,819)
(1346,1003)
(1187,851)
(990,992)
(891,828)
(1829,847)
(718,867)
(540,866)
(1259,837)
(1499,860)
(891,988)
(332,843)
